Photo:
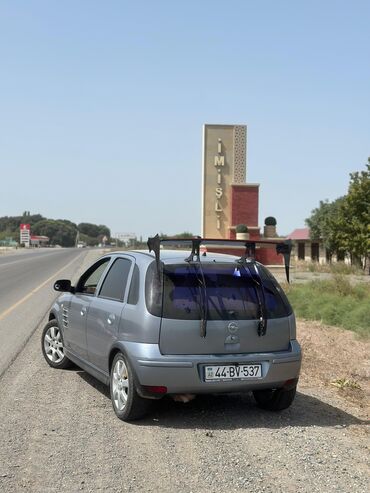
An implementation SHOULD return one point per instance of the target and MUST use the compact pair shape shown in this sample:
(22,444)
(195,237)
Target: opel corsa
(164,322)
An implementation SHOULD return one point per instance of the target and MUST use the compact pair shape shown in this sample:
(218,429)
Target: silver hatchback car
(170,323)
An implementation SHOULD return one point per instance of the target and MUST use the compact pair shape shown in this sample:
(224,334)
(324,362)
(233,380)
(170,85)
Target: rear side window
(133,295)
(154,290)
(230,293)
(115,282)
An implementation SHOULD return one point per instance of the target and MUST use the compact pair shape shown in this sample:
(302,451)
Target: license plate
(232,372)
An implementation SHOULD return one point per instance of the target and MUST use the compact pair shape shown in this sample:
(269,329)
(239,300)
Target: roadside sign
(25,234)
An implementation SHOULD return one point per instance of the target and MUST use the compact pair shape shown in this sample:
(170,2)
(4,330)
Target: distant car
(150,325)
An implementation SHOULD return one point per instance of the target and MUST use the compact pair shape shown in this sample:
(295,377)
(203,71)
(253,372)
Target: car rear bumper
(185,373)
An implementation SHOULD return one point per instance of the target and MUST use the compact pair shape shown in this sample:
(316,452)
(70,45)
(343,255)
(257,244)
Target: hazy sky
(102,105)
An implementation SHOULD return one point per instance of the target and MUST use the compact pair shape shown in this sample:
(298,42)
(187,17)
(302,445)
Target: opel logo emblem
(232,327)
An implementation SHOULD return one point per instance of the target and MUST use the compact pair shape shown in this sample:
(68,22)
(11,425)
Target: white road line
(25,259)
(25,298)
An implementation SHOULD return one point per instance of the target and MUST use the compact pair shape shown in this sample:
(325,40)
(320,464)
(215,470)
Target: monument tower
(228,200)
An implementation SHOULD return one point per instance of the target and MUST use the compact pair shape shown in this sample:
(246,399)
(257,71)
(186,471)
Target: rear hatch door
(232,311)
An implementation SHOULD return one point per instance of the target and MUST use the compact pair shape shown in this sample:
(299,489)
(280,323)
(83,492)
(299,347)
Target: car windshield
(231,293)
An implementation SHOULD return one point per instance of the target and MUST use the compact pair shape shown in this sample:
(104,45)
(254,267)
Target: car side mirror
(63,285)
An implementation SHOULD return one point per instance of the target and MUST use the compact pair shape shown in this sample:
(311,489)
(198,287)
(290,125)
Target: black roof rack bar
(285,249)
(282,246)
(250,251)
(195,246)
(154,245)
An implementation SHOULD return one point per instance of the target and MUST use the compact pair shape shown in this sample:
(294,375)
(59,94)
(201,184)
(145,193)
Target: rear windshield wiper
(202,300)
(202,303)
(258,287)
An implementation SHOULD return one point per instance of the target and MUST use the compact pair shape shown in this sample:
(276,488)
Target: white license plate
(232,372)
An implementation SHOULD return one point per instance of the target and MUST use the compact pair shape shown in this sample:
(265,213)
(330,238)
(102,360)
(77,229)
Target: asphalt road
(26,281)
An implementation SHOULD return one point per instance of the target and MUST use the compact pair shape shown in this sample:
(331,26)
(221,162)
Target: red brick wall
(268,256)
(244,205)
(244,210)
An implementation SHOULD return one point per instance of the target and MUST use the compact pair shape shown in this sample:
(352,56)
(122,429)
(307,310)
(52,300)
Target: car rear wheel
(275,399)
(52,346)
(127,403)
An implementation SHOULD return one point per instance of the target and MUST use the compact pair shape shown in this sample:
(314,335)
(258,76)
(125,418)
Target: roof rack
(283,247)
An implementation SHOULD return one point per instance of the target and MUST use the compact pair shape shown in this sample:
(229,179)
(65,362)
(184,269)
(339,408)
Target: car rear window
(154,290)
(230,293)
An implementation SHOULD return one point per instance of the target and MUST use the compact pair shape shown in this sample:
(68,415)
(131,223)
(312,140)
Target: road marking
(13,307)
(5,264)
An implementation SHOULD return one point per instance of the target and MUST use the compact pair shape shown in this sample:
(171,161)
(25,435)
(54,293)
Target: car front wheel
(127,403)
(52,346)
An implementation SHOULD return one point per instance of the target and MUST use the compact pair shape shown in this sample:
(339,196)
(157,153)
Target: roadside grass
(334,302)
(334,268)
(345,383)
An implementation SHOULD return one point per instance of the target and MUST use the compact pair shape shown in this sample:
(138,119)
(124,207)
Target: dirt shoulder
(336,361)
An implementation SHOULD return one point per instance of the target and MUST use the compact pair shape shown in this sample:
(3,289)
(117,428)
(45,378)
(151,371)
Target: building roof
(36,237)
(300,234)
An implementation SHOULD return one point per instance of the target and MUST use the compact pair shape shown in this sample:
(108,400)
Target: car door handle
(83,312)
(111,319)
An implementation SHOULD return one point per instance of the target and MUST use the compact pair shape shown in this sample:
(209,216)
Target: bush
(270,221)
(241,228)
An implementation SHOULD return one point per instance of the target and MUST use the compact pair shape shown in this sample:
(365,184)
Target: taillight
(156,389)
(290,384)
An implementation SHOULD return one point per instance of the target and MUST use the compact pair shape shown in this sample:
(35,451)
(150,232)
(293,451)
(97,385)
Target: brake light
(156,389)
(290,384)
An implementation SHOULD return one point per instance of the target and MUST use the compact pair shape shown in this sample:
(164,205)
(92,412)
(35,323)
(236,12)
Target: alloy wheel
(120,385)
(53,345)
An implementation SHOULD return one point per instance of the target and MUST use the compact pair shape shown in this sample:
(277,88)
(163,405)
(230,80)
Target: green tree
(324,224)
(59,232)
(90,241)
(12,223)
(355,217)
(89,229)
(104,231)
(344,224)
(93,230)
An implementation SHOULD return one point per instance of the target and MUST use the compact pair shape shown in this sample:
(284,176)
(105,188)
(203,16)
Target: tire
(275,399)
(127,403)
(52,346)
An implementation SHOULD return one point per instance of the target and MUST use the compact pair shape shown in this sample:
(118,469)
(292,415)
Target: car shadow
(233,411)
(103,389)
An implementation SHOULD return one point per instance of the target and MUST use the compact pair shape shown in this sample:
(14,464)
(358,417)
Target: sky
(102,105)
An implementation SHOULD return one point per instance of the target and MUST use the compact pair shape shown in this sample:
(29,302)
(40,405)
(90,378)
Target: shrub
(241,228)
(270,221)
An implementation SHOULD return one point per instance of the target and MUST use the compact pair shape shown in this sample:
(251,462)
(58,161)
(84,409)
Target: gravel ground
(58,432)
